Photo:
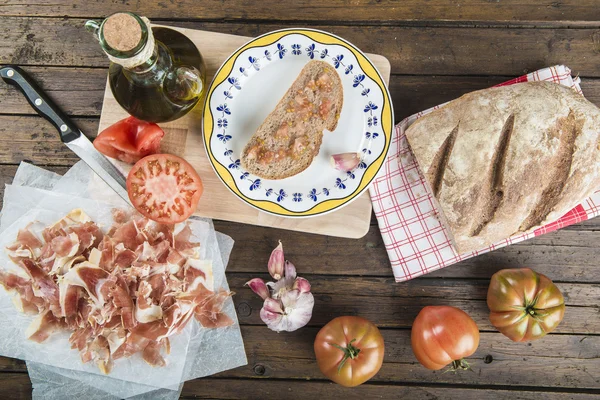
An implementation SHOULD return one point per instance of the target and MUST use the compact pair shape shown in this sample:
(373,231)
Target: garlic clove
(302,285)
(276,262)
(290,271)
(273,306)
(274,321)
(345,161)
(259,287)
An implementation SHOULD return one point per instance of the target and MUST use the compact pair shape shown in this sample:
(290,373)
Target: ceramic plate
(247,88)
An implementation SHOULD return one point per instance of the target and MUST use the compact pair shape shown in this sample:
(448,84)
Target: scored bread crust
(507,160)
(265,135)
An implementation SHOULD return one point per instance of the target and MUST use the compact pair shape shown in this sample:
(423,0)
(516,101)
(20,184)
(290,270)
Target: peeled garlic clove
(345,161)
(259,287)
(302,285)
(276,262)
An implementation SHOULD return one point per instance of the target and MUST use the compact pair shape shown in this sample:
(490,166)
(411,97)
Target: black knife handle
(40,102)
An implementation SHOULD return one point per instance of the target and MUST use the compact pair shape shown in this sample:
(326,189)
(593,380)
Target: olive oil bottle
(156,74)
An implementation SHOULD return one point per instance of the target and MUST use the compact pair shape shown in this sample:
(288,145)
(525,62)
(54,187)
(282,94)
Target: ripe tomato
(164,188)
(129,140)
(442,335)
(349,350)
(524,305)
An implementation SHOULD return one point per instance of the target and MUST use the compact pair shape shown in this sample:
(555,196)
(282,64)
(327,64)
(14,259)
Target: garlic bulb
(288,302)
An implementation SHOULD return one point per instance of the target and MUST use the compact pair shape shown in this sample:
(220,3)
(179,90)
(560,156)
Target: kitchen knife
(69,133)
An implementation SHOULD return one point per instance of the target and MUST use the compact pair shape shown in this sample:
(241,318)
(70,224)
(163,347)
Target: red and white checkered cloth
(414,238)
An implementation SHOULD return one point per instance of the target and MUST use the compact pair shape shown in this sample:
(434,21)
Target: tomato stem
(350,352)
(461,364)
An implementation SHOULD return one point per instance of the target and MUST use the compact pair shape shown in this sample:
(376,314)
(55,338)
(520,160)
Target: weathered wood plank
(79,91)
(498,361)
(33,138)
(291,356)
(267,389)
(18,386)
(386,11)
(400,312)
(15,386)
(576,294)
(414,51)
(577,264)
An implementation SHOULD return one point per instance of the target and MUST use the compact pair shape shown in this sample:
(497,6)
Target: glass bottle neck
(147,64)
(126,39)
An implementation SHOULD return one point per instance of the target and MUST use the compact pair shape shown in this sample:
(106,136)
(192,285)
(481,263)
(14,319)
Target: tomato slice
(129,140)
(164,188)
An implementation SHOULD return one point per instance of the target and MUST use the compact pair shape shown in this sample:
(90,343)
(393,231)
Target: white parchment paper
(56,370)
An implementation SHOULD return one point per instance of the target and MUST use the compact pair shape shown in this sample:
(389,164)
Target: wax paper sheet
(44,194)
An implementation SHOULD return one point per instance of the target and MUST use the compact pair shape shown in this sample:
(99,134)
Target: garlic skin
(302,285)
(288,302)
(259,287)
(291,312)
(345,161)
(276,262)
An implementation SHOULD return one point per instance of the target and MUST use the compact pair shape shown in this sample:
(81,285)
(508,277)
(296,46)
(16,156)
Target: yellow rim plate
(227,115)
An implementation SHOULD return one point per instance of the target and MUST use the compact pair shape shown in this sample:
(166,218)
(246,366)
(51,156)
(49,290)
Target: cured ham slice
(42,285)
(182,241)
(210,313)
(26,238)
(69,299)
(198,272)
(146,310)
(65,246)
(90,277)
(42,327)
(133,344)
(151,353)
(120,293)
(23,298)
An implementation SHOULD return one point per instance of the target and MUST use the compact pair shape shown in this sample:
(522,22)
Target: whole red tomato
(349,350)
(524,305)
(442,335)
(129,140)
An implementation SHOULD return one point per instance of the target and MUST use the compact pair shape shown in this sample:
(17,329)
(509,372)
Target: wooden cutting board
(183,137)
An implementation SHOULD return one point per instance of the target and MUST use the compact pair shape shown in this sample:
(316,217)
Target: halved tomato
(164,188)
(129,140)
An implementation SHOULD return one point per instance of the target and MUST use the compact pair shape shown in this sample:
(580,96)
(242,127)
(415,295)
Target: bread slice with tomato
(290,137)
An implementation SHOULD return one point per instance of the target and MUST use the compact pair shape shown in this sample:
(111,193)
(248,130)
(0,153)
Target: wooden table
(438,50)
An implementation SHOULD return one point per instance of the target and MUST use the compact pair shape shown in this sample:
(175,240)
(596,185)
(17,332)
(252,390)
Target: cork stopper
(122,32)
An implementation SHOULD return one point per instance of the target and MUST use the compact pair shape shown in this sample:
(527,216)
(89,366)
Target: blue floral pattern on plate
(256,60)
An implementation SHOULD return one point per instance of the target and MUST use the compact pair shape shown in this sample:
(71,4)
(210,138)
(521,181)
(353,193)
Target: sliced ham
(90,277)
(151,353)
(43,286)
(69,299)
(65,246)
(120,293)
(26,238)
(198,272)
(42,327)
(182,241)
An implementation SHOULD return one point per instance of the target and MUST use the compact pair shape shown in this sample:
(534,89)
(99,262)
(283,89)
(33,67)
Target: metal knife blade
(69,133)
(100,165)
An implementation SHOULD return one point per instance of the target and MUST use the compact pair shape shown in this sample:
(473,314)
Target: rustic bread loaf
(290,137)
(507,160)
